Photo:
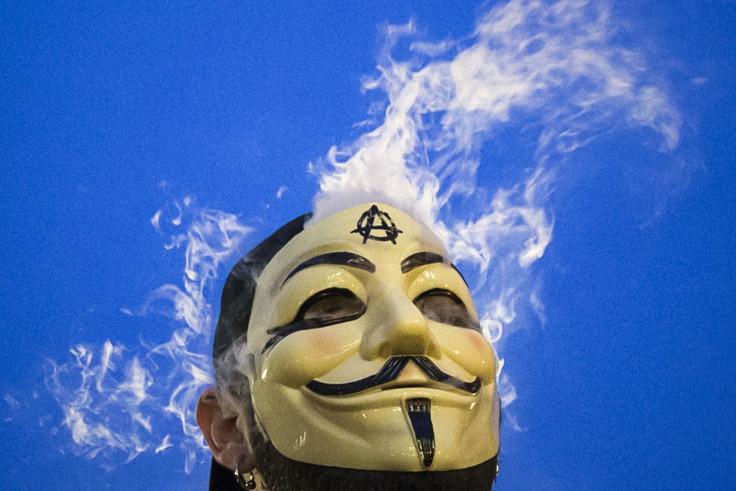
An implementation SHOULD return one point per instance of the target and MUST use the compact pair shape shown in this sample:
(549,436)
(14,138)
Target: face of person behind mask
(368,352)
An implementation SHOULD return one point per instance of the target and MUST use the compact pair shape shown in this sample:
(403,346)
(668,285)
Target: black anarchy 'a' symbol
(367,224)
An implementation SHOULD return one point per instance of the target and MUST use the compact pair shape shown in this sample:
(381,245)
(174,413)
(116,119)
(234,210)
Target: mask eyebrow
(420,259)
(340,258)
(424,258)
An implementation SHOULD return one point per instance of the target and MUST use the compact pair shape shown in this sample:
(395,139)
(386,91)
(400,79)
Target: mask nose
(398,328)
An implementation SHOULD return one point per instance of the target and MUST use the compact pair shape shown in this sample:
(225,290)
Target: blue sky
(618,341)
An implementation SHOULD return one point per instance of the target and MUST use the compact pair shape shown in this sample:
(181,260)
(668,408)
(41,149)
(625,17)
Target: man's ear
(224,438)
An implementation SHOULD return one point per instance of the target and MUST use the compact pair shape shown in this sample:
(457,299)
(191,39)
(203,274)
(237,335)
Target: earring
(248,482)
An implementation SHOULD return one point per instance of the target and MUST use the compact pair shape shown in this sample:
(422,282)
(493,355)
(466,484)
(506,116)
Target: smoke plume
(553,74)
(552,70)
(122,401)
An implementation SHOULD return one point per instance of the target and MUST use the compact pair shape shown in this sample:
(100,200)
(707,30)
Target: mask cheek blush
(326,341)
(470,350)
(476,340)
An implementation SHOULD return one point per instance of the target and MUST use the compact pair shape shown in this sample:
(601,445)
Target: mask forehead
(379,233)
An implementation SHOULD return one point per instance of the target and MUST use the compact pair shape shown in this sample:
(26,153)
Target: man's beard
(284,474)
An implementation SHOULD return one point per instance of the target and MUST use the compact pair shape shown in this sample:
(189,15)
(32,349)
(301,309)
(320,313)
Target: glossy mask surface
(367,346)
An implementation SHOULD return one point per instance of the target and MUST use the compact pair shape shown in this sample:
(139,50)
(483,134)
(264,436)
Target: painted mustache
(389,372)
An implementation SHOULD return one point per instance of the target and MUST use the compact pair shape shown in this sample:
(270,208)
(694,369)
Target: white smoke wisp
(129,400)
(553,70)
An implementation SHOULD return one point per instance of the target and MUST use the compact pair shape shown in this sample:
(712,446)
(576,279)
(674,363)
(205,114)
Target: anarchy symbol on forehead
(367,224)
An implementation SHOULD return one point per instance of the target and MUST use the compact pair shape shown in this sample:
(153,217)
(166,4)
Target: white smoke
(553,70)
(120,400)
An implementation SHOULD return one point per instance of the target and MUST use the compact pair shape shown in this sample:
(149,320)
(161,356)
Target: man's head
(363,350)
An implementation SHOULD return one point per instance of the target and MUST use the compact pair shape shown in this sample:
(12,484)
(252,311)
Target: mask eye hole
(444,306)
(331,306)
